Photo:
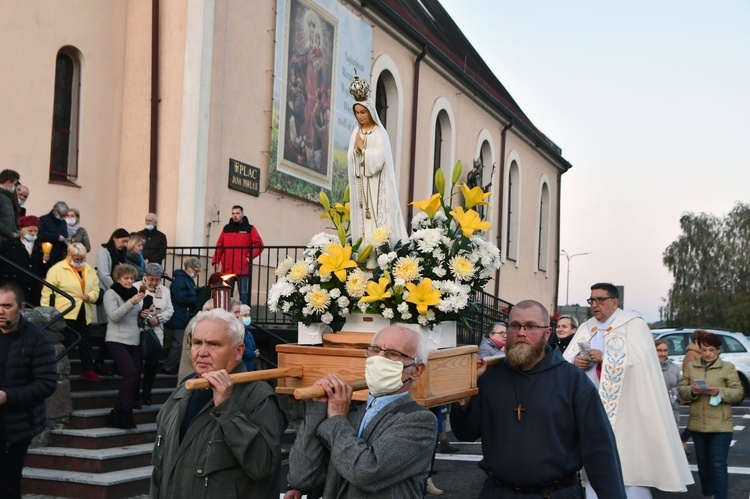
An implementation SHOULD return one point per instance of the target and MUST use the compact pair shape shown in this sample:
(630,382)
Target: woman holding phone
(123,304)
(711,386)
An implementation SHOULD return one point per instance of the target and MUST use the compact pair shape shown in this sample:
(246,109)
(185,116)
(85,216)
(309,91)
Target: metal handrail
(59,315)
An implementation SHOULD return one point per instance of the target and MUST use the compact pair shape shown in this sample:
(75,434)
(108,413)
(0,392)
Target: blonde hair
(135,238)
(76,249)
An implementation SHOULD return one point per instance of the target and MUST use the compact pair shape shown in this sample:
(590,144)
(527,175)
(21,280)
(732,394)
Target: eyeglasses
(514,327)
(599,300)
(394,355)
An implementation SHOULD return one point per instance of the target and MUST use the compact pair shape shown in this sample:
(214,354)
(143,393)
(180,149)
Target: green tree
(709,262)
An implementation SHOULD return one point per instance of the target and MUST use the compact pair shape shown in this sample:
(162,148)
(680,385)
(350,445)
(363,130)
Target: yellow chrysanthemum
(318,299)
(298,272)
(470,221)
(376,291)
(380,236)
(474,196)
(337,260)
(429,206)
(407,268)
(356,283)
(423,295)
(462,267)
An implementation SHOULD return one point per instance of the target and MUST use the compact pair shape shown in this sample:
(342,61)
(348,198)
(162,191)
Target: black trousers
(11,465)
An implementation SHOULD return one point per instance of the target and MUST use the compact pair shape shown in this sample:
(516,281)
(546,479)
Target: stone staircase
(89,460)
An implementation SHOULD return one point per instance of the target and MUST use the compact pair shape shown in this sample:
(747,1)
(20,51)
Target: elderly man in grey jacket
(380,449)
(224,441)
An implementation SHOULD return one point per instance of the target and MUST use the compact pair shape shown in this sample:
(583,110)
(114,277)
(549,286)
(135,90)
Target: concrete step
(113,382)
(97,418)
(96,399)
(102,438)
(90,460)
(112,485)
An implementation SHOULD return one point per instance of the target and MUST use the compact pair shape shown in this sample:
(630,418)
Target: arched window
(64,149)
(514,212)
(442,153)
(544,214)
(381,100)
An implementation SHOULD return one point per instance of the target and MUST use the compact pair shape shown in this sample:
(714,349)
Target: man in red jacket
(233,249)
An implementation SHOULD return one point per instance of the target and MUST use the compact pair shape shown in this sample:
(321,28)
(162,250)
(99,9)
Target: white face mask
(383,376)
(149,227)
(77,265)
(70,221)
(21,202)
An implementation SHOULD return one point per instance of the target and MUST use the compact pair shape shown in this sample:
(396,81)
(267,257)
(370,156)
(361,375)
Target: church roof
(428,24)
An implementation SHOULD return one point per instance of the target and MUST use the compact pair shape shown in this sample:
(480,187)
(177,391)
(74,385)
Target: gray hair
(492,327)
(155,217)
(423,349)
(154,269)
(235,330)
(192,262)
(236,303)
(61,207)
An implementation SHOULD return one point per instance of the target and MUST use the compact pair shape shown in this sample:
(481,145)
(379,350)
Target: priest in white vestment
(616,349)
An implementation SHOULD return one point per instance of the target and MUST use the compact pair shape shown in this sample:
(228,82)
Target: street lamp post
(567,281)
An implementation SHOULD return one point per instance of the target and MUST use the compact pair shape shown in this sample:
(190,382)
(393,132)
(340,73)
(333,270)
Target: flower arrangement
(423,280)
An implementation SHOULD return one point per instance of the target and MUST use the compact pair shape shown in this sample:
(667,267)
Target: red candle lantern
(221,293)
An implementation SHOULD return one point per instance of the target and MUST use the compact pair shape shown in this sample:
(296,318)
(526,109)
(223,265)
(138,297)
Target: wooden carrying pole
(317,391)
(249,377)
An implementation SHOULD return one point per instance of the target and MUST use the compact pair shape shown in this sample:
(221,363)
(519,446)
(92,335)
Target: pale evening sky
(649,101)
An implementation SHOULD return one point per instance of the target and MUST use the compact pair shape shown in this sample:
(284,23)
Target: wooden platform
(450,375)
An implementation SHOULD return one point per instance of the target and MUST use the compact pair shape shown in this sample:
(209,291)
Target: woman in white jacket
(122,303)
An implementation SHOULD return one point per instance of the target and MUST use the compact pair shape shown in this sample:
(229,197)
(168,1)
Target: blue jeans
(242,282)
(711,451)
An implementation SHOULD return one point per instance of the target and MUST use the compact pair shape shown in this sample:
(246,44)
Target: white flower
(318,299)
(342,302)
(402,307)
(462,267)
(356,283)
(387,313)
(420,220)
(326,318)
(362,307)
(286,307)
(399,282)
(284,267)
(439,271)
(344,312)
(335,293)
(422,320)
(406,316)
(407,268)
(386,258)
(298,272)
(380,236)
(427,240)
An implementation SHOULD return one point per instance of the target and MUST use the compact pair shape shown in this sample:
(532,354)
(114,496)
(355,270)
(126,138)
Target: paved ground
(460,478)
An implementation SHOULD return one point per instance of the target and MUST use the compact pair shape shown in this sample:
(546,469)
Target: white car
(735,348)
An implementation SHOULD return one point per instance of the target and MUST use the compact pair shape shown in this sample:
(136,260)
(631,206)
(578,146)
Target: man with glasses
(380,449)
(615,349)
(533,413)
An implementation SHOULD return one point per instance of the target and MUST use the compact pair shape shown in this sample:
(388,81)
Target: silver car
(735,348)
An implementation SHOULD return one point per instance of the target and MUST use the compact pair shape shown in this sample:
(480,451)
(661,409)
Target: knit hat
(28,221)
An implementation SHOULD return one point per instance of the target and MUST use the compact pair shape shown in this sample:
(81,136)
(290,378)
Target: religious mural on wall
(319,45)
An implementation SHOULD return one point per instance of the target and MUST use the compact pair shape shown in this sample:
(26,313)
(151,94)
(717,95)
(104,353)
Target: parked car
(735,348)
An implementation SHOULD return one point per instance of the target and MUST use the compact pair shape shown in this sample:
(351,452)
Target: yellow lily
(336,260)
(429,206)
(470,221)
(376,291)
(474,197)
(423,295)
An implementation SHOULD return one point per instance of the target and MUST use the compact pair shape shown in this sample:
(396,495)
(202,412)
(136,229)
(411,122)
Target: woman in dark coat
(25,251)
(183,291)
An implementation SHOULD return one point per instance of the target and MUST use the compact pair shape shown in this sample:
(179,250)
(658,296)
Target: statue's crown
(360,89)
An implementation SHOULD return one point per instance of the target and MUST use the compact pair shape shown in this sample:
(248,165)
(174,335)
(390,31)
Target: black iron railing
(261,274)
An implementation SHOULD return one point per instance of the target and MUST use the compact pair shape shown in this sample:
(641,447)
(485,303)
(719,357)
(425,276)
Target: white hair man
(155,247)
(380,449)
(225,440)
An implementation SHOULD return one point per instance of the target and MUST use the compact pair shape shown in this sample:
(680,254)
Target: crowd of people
(568,407)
